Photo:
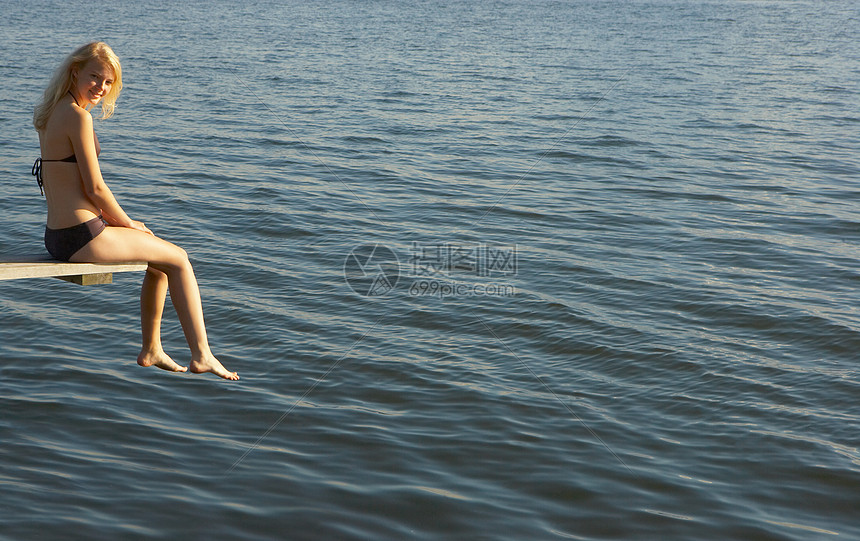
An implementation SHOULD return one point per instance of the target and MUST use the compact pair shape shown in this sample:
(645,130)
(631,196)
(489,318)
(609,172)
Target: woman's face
(92,82)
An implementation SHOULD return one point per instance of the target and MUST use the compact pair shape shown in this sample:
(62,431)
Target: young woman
(85,222)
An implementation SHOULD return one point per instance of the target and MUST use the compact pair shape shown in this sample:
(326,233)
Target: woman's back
(64,191)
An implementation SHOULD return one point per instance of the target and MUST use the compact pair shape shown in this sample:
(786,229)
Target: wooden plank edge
(74,272)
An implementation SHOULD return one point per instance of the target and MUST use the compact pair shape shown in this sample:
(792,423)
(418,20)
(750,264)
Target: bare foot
(160,359)
(210,364)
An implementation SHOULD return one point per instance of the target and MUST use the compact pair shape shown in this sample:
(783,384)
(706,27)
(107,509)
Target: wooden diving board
(84,274)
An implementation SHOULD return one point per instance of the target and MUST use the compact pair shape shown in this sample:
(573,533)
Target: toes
(215,368)
(232,376)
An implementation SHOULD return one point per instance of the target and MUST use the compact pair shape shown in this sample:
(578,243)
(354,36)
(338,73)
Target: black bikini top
(37,165)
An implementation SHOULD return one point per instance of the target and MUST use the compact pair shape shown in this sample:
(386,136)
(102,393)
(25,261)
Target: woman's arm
(95,188)
(110,219)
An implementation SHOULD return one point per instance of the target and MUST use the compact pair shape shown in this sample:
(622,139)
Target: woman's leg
(119,244)
(152,296)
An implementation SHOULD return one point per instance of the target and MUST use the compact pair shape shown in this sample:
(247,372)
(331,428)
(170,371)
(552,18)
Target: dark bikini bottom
(63,243)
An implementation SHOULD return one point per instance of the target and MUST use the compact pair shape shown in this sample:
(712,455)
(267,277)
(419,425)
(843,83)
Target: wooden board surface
(41,267)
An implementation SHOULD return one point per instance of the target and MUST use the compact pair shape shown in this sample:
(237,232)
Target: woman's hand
(140,227)
(132,224)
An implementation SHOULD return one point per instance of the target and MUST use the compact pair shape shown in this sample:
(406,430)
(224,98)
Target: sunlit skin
(76,192)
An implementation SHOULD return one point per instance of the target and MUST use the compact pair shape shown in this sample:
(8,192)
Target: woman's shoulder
(79,114)
(71,118)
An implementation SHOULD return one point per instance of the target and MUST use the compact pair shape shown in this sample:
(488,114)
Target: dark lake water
(488,270)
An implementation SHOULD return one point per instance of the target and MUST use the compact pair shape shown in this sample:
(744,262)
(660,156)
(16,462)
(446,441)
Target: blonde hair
(64,79)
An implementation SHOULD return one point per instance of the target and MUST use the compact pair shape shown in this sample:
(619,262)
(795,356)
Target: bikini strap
(37,172)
